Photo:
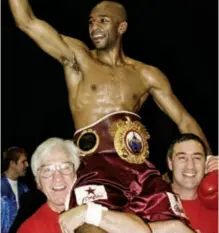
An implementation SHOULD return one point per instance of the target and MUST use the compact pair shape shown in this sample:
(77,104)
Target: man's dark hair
(12,154)
(186,137)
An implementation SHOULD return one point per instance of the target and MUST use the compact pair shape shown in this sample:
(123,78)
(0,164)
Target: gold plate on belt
(130,140)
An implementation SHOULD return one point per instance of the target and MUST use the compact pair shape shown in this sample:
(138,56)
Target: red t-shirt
(44,220)
(201,218)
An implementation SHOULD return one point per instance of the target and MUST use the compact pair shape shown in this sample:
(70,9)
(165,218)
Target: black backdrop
(179,37)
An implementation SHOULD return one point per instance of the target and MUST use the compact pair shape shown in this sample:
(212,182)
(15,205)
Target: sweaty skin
(106,90)
(103,80)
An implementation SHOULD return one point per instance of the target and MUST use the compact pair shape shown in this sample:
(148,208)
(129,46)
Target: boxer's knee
(88,228)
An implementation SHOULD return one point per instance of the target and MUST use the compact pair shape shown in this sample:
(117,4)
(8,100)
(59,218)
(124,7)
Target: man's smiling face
(187,164)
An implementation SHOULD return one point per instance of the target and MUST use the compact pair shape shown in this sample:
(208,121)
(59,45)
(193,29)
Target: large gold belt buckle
(130,140)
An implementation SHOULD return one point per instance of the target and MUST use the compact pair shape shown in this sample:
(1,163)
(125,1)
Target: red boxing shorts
(115,172)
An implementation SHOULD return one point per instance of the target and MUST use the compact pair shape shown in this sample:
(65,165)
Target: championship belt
(130,140)
(120,133)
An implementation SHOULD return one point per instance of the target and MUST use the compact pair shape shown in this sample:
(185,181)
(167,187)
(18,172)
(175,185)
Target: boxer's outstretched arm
(163,95)
(41,32)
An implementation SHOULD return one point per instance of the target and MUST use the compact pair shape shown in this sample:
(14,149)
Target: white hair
(44,148)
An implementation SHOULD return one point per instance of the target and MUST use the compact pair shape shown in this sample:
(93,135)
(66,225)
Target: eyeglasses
(64,168)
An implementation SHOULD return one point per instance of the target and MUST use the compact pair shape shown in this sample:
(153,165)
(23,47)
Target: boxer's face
(103,27)
(187,164)
(56,177)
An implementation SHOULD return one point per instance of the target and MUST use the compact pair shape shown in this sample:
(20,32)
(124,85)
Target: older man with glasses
(54,164)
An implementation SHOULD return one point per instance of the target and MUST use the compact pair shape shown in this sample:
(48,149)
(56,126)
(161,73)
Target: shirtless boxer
(104,80)
(106,88)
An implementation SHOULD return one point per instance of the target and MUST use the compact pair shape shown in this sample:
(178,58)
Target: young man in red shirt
(186,159)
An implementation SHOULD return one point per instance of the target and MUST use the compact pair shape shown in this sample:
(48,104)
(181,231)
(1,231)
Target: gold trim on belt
(84,142)
(127,138)
(130,140)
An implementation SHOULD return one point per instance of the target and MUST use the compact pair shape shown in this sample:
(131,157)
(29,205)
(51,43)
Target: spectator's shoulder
(32,224)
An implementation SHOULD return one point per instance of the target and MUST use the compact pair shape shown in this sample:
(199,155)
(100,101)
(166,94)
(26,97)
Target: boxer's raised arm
(40,31)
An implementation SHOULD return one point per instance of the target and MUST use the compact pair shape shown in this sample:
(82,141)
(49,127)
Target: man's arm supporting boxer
(117,222)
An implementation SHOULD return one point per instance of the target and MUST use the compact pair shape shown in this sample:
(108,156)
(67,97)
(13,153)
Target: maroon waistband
(114,133)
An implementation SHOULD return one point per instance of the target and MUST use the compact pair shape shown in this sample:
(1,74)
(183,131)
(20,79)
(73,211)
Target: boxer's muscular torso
(97,89)
(106,91)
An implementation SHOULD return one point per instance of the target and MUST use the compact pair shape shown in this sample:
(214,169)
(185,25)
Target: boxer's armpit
(70,62)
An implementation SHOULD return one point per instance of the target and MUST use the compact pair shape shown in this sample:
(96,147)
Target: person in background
(15,162)
(186,159)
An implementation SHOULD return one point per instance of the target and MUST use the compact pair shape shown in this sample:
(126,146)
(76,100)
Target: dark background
(179,37)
